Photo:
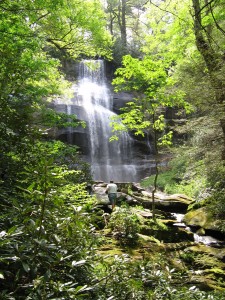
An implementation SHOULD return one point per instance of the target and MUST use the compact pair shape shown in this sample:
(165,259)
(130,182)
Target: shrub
(125,225)
(46,241)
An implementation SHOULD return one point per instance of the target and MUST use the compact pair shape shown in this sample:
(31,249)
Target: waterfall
(125,160)
(109,160)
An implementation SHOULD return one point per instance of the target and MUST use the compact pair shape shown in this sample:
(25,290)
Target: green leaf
(26,267)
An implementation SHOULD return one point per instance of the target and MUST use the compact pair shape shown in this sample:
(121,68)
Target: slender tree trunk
(156,171)
(155,188)
(213,61)
(111,24)
(123,24)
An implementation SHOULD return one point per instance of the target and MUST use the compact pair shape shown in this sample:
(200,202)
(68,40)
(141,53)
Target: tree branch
(203,7)
(216,23)
(165,10)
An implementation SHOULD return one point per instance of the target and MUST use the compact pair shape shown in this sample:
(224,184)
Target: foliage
(194,167)
(182,175)
(148,79)
(51,119)
(145,77)
(28,73)
(72,29)
(194,42)
(43,266)
(124,20)
(125,226)
(45,241)
(117,279)
(122,278)
(216,204)
(165,178)
(156,225)
(195,64)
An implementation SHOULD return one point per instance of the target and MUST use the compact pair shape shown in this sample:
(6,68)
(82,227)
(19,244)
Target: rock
(201,218)
(201,231)
(174,203)
(122,196)
(168,203)
(171,235)
(144,213)
(208,240)
(163,233)
(206,226)
(175,197)
(136,187)
(101,196)
(146,194)
(204,249)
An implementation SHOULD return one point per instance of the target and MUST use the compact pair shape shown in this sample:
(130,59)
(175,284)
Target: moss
(201,217)
(217,271)
(145,238)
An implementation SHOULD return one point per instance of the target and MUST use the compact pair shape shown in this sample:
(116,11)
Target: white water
(204,239)
(109,160)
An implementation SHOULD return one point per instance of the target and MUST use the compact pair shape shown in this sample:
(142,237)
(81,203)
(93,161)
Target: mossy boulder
(201,218)
(170,235)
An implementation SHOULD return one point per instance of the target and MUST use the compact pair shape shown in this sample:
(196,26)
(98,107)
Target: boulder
(101,196)
(174,203)
(203,221)
(170,235)
(167,234)
(201,218)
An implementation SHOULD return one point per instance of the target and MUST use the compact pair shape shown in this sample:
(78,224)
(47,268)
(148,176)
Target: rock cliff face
(120,99)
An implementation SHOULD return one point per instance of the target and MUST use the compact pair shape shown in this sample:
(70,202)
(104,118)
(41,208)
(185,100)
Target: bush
(125,226)
(46,241)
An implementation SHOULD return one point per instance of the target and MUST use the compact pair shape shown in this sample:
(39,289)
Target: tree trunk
(213,61)
(122,23)
(156,170)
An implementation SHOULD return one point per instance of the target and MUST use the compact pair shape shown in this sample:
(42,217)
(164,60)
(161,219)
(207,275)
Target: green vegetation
(148,279)
(180,65)
(125,226)
(170,56)
(180,178)
(143,115)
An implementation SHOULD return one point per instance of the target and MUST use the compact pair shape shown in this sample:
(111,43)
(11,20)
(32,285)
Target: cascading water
(109,160)
(125,160)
